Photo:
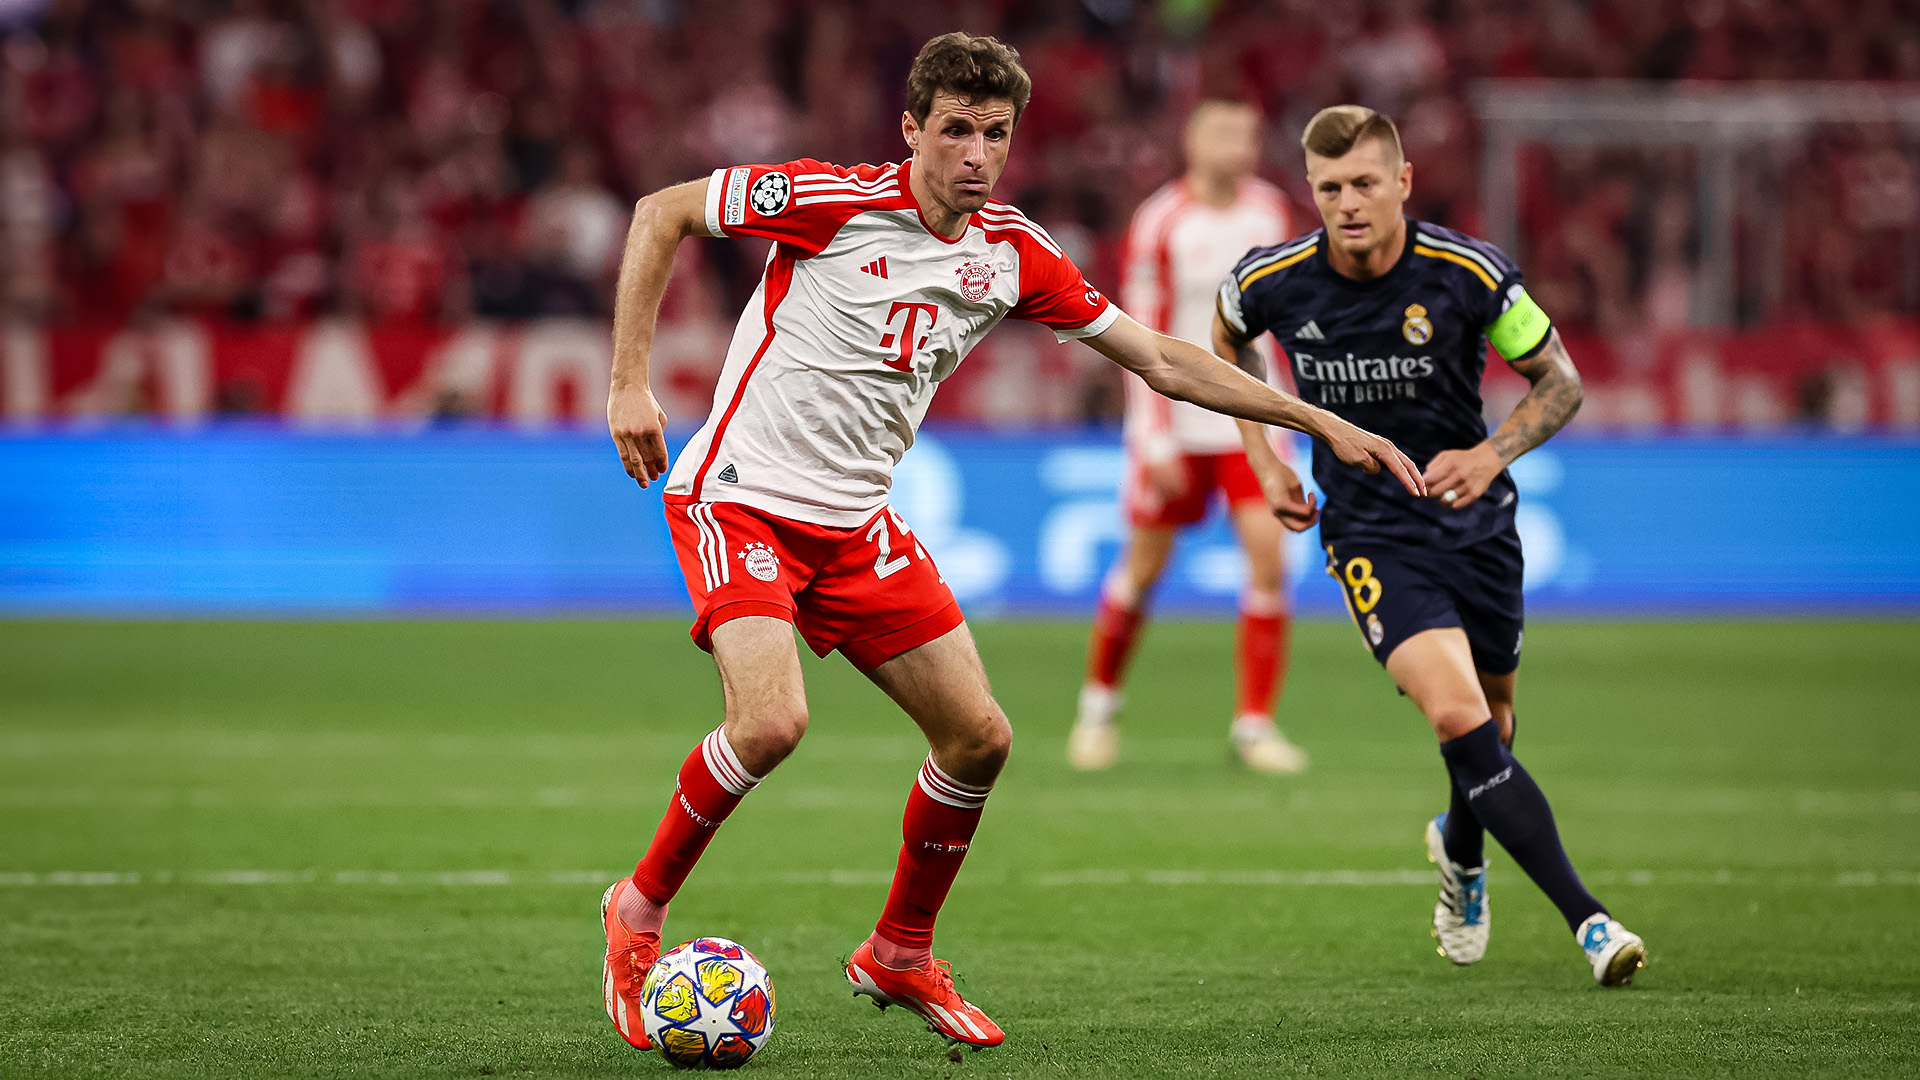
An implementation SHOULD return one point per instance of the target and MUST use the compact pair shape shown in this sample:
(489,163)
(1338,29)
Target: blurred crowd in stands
(433,161)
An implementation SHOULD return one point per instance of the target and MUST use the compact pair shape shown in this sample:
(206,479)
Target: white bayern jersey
(1179,249)
(861,313)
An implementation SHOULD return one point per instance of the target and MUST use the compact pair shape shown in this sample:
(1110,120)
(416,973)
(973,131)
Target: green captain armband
(1521,328)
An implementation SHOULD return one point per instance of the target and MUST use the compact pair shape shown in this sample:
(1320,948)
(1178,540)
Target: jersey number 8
(1366,588)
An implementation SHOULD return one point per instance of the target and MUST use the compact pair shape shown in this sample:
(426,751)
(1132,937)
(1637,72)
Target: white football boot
(1263,749)
(1614,951)
(1462,918)
(1095,741)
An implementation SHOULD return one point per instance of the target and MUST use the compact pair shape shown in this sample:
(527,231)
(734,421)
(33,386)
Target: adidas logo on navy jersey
(878,267)
(729,475)
(1310,332)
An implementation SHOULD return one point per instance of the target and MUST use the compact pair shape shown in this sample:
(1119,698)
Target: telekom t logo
(909,335)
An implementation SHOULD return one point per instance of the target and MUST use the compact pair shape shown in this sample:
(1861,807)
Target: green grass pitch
(376,849)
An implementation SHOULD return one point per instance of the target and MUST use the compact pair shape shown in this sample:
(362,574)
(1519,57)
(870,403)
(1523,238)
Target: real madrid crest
(1417,329)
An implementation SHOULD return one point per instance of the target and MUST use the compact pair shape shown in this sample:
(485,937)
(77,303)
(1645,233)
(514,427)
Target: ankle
(900,957)
(1251,725)
(1099,702)
(641,915)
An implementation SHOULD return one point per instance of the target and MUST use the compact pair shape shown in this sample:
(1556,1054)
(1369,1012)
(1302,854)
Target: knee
(1451,721)
(763,738)
(1263,599)
(1127,587)
(978,754)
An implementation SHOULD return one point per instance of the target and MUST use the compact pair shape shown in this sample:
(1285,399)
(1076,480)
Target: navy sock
(1504,799)
(1464,838)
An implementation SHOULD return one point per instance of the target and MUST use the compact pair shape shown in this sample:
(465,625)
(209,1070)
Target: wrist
(1317,423)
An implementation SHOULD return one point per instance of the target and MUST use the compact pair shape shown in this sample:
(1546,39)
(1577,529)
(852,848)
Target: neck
(1373,263)
(936,215)
(1218,190)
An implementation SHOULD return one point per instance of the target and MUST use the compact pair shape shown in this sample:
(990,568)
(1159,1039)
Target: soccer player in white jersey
(880,280)
(1184,239)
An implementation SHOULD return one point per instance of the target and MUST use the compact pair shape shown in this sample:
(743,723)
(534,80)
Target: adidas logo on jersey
(729,475)
(878,267)
(1310,332)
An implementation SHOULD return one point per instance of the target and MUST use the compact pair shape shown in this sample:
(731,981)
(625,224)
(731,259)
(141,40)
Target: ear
(910,131)
(1406,180)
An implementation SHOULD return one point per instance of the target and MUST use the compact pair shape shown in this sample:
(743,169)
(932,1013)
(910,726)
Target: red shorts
(872,592)
(1228,473)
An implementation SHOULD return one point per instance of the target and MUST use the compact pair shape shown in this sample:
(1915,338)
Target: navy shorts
(1395,591)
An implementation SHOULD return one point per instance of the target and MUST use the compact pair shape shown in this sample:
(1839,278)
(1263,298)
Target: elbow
(1165,380)
(1163,376)
(649,212)
(657,215)
(1569,394)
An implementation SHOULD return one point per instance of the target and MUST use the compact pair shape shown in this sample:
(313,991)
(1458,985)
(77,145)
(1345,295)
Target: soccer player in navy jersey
(1385,321)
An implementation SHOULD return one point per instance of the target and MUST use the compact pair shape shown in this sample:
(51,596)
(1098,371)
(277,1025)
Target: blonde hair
(1334,132)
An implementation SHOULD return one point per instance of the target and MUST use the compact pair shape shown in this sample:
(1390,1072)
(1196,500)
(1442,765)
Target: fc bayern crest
(770,193)
(1417,329)
(975,279)
(761,561)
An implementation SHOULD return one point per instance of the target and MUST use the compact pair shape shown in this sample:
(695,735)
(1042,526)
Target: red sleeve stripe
(1141,285)
(1163,262)
(1147,219)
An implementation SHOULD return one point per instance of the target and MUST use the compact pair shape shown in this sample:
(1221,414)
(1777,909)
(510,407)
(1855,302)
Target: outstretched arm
(1186,372)
(660,222)
(1286,497)
(1554,398)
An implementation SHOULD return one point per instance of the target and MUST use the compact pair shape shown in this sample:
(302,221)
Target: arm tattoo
(1555,397)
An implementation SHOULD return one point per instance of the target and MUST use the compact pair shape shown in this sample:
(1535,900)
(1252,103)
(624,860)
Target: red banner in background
(555,371)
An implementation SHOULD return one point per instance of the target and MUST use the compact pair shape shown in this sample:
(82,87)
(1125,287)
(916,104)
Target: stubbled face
(1360,196)
(1224,141)
(961,150)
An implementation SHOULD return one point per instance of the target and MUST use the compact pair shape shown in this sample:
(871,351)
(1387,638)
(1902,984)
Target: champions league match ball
(708,1003)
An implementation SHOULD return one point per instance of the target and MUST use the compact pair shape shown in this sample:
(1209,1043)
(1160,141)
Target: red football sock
(712,782)
(1115,628)
(941,816)
(1261,656)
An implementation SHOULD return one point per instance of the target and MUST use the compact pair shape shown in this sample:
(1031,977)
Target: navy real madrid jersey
(1400,355)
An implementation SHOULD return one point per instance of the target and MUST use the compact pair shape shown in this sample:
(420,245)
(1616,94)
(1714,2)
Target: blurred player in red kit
(1184,239)
(880,280)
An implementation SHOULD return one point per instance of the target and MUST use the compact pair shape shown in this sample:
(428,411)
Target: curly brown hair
(971,68)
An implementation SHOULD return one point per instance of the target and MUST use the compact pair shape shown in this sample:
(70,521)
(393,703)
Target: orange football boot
(629,957)
(928,992)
